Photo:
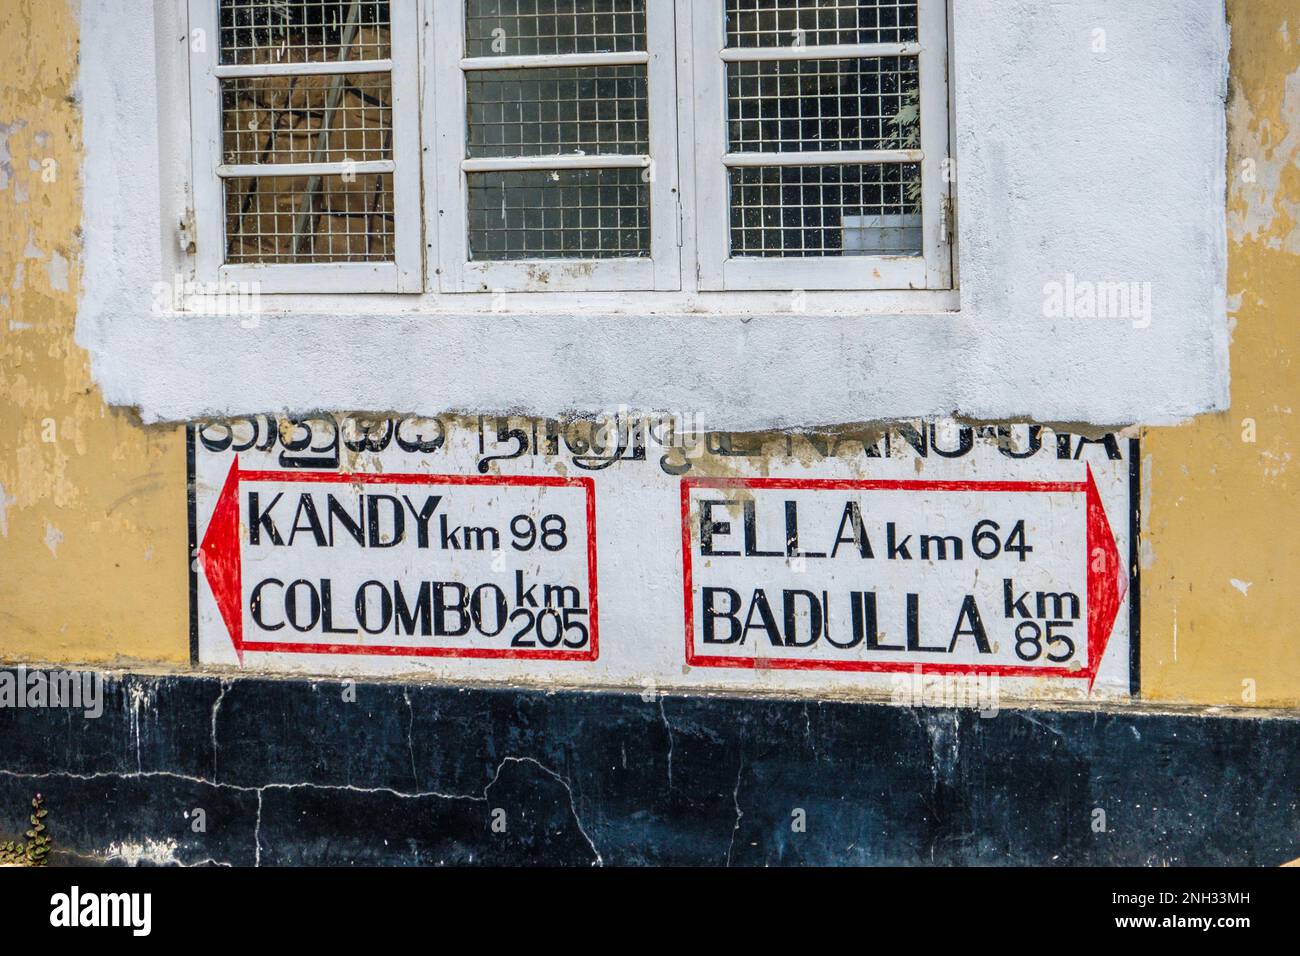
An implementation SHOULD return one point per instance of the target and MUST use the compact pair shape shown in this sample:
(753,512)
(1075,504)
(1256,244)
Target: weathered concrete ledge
(291,772)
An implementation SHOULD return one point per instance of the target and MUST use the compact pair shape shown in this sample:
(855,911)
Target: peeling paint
(1265,205)
(5,501)
(53,538)
(6,158)
(66,458)
(57,270)
(1223,503)
(154,852)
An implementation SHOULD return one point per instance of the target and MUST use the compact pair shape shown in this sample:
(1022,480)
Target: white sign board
(631,551)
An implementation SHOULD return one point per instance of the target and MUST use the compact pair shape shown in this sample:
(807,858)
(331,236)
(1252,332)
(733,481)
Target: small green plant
(37,848)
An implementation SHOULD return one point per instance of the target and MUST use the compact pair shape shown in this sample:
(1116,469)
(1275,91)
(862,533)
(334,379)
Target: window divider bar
(837,51)
(629,58)
(360,168)
(495,164)
(236,71)
(848,157)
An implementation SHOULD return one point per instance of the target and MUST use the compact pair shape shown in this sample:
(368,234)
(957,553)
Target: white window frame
(404,273)
(688,167)
(445,99)
(718,269)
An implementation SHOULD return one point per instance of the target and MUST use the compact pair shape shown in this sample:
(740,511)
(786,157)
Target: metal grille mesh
(559,214)
(546,111)
(799,211)
(281,219)
(769,23)
(301,31)
(280,119)
(817,105)
(532,27)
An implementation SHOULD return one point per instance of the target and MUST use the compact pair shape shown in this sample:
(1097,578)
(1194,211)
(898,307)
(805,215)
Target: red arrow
(219,555)
(1107,581)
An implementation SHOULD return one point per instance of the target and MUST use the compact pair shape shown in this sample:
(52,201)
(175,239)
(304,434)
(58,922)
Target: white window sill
(485,306)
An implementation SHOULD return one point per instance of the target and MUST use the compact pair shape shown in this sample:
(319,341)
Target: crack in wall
(735,799)
(573,807)
(669,729)
(216,707)
(279,785)
(410,735)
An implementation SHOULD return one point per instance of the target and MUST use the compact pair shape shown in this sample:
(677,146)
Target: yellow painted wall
(1219,508)
(92,505)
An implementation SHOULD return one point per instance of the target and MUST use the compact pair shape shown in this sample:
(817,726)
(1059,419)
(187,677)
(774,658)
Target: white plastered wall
(1101,165)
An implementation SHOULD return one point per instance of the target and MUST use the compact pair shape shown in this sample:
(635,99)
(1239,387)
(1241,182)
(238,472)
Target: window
(306,144)
(820,132)
(557,152)
(572,145)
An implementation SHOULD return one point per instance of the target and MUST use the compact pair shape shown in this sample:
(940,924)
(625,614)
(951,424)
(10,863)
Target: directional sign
(410,565)
(641,551)
(889,575)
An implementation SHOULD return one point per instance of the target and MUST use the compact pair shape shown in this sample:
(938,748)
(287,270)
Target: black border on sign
(192,557)
(1134,554)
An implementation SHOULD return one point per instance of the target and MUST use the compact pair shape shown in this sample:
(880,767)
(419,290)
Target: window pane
(547,111)
(309,219)
(797,211)
(767,23)
(533,27)
(279,119)
(814,105)
(300,31)
(559,214)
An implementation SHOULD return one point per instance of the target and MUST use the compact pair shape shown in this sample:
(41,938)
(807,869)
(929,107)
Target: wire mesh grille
(559,214)
(801,211)
(533,27)
(280,119)
(818,105)
(769,23)
(281,219)
(547,111)
(301,31)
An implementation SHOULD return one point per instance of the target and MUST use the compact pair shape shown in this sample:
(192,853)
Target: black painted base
(290,772)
